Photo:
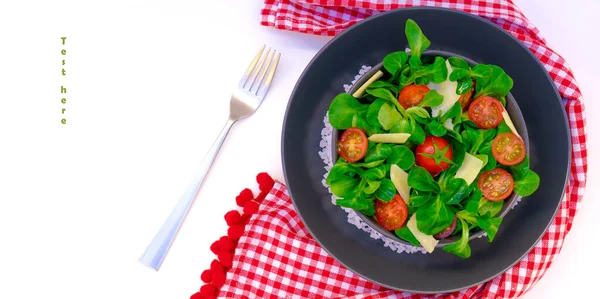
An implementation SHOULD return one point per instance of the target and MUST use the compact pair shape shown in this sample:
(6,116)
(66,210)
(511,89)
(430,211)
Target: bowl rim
(411,9)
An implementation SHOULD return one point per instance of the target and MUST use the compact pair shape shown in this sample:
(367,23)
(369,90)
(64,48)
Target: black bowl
(511,107)
(366,43)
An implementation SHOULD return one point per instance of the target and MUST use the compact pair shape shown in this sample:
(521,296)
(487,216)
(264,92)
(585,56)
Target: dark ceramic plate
(366,43)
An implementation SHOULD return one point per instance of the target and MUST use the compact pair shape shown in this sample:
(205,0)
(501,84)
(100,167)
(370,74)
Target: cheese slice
(400,179)
(469,169)
(509,123)
(427,241)
(359,92)
(448,90)
(397,138)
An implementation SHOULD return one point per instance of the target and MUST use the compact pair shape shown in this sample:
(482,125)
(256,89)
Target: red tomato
(353,145)
(465,99)
(435,154)
(508,149)
(486,112)
(392,214)
(496,184)
(447,232)
(412,95)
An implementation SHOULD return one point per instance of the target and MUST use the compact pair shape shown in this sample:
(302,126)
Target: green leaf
(376,173)
(416,39)
(489,208)
(419,198)
(382,93)
(478,137)
(370,210)
(386,190)
(342,110)
(372,186)
(401,156)
(467,216)
(519,170)
(431,99)
(498,85)
(482,74)
(466,140)
(436,72)
(420,179)
(455,136)
(372,115)
(472,205)
(366,98)
(385,94)
(457,62)
(465,121)
(475,137)
(458,152)
(418,111)
(341,170)
(403,126)
(417,135)
(461,247)
(405,234)
(369,164)
(421,81)
(486,147)
(503,128)
(502,100)
(434,217)
(455,111)
(489,135)
(388,116)
(421,120)
(483,158)
(380,152)
(407,77)
(415,62)
(458,74)
(491,163)
(382,84)
(354,200)
(490,225)
(361,122)
(455,191)
(394,62)
(528,184)
(463,86)
(343,186)
(436,129)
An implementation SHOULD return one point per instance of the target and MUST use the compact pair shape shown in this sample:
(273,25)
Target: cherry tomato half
(392,214)
(496,184)
(447,232)
(353,145)
(412,95)
(508,149)
(434,154)
(465,99)
(486,112)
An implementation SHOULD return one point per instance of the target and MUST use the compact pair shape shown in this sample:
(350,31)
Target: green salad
(428,149)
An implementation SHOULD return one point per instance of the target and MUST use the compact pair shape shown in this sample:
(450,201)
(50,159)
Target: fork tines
(254,80)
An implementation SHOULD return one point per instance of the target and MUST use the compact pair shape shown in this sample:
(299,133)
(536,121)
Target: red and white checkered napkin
(268,253)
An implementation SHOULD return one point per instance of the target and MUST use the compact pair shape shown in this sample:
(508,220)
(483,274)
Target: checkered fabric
(275,257)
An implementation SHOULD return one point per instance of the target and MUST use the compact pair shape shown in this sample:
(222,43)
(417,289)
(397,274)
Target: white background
(148,84)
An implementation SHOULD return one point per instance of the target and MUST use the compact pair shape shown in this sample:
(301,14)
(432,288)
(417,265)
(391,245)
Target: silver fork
(245,99)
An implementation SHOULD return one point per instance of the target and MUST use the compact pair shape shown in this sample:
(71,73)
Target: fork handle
(155,252)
